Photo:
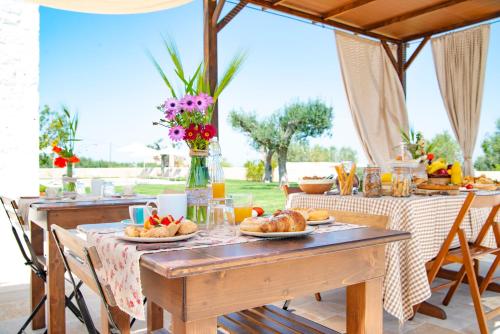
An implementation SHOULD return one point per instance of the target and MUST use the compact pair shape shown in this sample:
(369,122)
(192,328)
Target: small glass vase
(69,182)
(197,190)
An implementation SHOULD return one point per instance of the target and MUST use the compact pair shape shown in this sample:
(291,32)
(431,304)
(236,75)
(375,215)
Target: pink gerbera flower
(176,133)
(188,103)
(208,98)
(170,114)
(201,102)
(171,105)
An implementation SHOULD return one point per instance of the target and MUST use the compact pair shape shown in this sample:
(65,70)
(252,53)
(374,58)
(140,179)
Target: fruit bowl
(439,179)
(315,185)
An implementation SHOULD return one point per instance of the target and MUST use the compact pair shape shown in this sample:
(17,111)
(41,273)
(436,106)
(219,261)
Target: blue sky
(97,65)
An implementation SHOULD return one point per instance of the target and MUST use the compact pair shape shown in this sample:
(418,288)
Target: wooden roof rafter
(319,19)
(344,8)
(412,14)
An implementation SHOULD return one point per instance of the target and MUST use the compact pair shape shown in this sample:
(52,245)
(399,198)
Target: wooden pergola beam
(344,8)
(412,14)
(210,52)
(416,52)
(315,18)
(217,12)
(389,53)
(229,16)
(453,26)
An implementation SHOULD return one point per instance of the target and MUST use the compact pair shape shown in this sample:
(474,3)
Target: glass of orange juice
(218,190)
(243,204)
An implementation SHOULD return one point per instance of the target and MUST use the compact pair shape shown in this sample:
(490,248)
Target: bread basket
(315,186)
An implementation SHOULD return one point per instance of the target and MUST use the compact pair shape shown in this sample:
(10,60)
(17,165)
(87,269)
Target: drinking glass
(220,221)
(108,189)
(80,188)
(243,204)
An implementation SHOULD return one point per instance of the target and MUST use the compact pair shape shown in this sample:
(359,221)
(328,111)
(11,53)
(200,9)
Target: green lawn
(266,195)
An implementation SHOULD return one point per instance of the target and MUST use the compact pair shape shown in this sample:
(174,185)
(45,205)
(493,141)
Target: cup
(51,192)
(220,222)
(108,189)
(139,213)
(170,204)
(128,190)
(243,204)
(96,187)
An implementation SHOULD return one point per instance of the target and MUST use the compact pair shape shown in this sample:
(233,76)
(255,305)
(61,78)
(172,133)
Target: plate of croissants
(158,229)
(282,224)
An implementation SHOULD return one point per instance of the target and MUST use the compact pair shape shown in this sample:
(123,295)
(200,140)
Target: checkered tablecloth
(428,219)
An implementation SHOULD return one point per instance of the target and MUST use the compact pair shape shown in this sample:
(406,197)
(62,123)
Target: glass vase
(69,182)
(197,190)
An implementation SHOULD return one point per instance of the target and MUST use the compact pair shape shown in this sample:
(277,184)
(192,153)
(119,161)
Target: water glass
(108,189)
(220,222)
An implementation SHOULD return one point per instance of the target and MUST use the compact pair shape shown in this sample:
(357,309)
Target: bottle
(215,171)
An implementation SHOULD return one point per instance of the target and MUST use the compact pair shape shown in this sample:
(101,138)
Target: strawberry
(165,221)
(259,211)
(469,186)
(154,219)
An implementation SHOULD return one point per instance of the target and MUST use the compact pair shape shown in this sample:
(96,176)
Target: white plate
(129,222)
(122,236)
(321,222)
(308,230)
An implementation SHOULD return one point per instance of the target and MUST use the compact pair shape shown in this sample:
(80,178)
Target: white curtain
(111,6)
(375,95)
(460,61)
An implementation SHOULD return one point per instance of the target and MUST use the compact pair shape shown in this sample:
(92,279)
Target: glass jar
(372,183)
(401,182)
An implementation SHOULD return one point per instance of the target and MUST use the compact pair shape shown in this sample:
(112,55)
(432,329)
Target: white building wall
(19,98)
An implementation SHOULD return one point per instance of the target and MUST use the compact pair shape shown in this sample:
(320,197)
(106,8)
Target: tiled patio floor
(330,312)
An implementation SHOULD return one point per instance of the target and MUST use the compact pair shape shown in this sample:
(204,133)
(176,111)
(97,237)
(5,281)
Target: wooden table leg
(56,292)
(154,317)
(204,326)
(121,319)
(364,307)
(37,284)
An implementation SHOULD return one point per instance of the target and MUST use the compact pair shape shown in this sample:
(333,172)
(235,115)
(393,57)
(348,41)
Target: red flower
(191,132)
(74,159)
(60,162)
(208,132)
(430,156)
(56,149)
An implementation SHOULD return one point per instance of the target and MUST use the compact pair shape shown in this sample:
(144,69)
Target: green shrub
(255,170)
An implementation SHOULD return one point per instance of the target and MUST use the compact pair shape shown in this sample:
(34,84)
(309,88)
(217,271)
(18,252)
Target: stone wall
(19,97)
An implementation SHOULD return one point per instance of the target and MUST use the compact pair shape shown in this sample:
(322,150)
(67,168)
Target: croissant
(285,221)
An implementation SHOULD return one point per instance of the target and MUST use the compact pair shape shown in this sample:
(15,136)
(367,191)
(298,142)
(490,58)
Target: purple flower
(170,114)
(201,103)
(208,98)
(171,105)
(188,103)
(176,133)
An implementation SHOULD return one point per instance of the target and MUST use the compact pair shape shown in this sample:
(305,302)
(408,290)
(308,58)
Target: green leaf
(189,86)
(162,74)
(176,59)
(227,77)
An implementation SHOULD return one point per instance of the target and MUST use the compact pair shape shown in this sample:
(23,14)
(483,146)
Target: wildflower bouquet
(188,116)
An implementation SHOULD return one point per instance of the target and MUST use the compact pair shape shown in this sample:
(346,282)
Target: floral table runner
(121,269)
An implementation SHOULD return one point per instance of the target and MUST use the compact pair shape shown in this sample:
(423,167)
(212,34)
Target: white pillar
(19,98)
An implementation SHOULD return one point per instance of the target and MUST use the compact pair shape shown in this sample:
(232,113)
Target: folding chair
(37,263)
(469,252)
(82,261)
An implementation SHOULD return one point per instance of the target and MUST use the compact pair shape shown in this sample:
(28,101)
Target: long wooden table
(67,215)
(198,285)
